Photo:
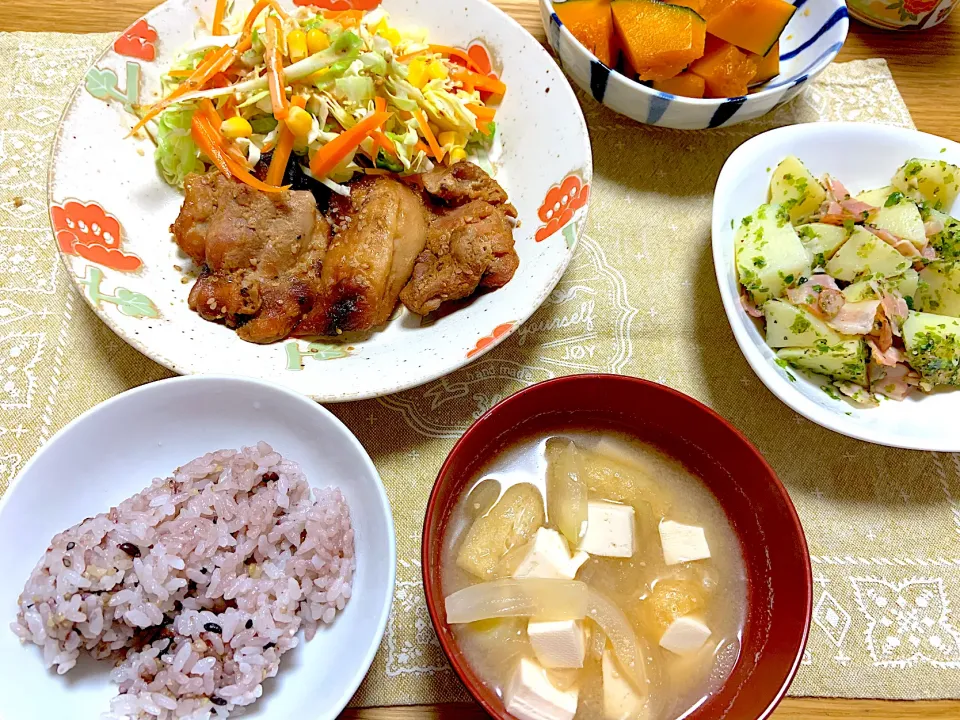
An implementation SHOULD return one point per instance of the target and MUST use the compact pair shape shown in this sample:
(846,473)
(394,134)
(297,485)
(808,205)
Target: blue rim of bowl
(600,73)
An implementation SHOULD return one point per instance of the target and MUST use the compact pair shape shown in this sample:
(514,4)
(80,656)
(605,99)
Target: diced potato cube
(860,291)
(877,197)
(790,326)
(822,241)
(905,284)
(900,216)
(794,187)
(933,347)
(513,521)
(947,241)
(865,256)
(933,181)
(939,291)
(845,361)
(770,256)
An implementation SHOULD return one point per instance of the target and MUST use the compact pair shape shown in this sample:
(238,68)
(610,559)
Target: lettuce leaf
(176,155)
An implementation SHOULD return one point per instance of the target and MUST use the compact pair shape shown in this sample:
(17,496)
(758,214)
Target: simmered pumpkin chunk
(686,84)
(726,70)
(591,22)
(753,25)
(657,36)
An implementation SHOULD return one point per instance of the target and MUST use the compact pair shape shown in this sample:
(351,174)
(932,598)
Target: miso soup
(587,575)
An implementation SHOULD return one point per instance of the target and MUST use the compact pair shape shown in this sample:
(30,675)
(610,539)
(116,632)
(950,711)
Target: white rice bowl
(104,458)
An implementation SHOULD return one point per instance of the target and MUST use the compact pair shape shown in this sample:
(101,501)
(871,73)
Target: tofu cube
(610,530)
(549,557)
(531,696)
(560,644)
(620,700)
(682,543)
(685,636)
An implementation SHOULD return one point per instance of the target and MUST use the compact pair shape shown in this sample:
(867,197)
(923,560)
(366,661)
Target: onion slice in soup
(566,489)
(630,653)
(540,598)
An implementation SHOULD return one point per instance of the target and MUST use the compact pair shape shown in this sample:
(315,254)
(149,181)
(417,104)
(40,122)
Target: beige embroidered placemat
(640,298)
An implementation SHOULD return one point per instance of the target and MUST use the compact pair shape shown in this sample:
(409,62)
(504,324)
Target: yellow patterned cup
(901,14)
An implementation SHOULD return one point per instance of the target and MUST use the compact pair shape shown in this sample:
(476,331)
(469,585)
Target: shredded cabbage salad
(339,93)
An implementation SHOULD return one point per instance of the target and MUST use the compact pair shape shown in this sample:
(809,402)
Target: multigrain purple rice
(196,586)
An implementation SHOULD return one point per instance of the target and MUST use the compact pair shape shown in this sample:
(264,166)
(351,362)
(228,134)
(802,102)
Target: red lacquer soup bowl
(779,582)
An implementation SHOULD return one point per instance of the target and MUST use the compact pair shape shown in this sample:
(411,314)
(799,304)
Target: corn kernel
(317,41)
(437,70)
(456,155)
(392,36)
(417,73)
(297,45)
(236,127)
(299,122)
(447,138)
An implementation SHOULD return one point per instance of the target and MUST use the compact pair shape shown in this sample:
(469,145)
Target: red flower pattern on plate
(481,56)
(340,4)
(561,203)
(485,342)
(89,231)
(139,41)
(919,7)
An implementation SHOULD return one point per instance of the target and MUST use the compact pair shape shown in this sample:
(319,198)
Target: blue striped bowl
(810,42)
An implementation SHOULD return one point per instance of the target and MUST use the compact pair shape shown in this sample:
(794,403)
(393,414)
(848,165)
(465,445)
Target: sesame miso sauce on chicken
(272,265)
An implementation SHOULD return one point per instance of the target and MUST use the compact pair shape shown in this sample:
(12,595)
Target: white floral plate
(111,212)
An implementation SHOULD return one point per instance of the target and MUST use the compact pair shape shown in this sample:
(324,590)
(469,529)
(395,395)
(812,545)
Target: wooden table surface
(926,67)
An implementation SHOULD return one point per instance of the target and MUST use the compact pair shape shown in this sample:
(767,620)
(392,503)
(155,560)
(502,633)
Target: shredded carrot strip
(215,62)
(206,141)
(422,148)
(346,18)
(241,172)
(475,81)
(285,142)
(218,12)
(180,73)
(206,138)
(273,42)
(380,104)
(428,134)
(208,111)
(331,154)
(211,65)
(482,112)
(385,143)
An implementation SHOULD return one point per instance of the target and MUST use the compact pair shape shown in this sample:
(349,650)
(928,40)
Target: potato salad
(863,290)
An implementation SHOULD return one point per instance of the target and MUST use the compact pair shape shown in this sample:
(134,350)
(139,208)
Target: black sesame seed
(130,549)
(203,571)
(249,624)
(269,645)
(71,545)
(212,627)
(66,562)
(178,606)
(270,477)
(218,701)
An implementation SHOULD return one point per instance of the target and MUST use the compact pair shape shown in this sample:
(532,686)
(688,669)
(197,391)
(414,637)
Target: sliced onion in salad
(519,597)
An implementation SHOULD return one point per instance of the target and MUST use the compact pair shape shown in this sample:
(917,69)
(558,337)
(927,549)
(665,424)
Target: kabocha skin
(693,48)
